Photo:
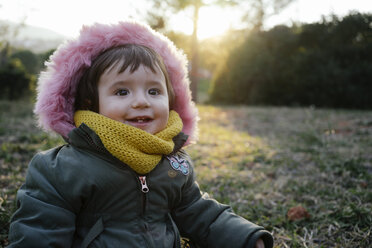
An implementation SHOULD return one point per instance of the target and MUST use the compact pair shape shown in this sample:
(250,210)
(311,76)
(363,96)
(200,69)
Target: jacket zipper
(142,179)
(145,189)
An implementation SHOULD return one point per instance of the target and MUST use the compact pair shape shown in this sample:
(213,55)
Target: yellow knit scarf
(139,149)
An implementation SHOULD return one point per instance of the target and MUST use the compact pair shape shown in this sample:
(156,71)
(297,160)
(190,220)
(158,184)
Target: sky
(66,17)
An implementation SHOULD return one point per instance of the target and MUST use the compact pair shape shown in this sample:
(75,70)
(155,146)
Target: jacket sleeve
(43,218)
(211,224)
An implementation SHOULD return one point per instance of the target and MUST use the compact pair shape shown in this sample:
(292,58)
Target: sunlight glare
(213,21)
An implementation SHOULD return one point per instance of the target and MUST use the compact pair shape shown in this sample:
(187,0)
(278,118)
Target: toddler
(119,96)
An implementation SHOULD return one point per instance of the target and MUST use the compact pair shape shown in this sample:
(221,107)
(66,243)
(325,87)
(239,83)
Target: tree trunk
(195,53)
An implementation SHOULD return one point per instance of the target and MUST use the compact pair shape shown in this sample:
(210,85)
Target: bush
(326,64)
(29,60)
(15,83)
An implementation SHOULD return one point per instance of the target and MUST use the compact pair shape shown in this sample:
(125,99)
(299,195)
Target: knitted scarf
(139,149)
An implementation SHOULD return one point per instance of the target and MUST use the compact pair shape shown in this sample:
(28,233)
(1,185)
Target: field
(304,174)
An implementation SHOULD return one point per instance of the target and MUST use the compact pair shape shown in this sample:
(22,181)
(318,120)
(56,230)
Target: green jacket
(78,195)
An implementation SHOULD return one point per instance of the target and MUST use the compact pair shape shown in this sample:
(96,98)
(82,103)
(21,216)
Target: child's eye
(154,92)
(122,92)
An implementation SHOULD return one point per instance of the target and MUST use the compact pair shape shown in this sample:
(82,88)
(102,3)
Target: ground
(302,173)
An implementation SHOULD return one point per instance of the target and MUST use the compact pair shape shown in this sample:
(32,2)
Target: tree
(325,64)
(8,32)
(4,54)
(257,11)
(14,80)
(158,20)
(195,50)
(29,60)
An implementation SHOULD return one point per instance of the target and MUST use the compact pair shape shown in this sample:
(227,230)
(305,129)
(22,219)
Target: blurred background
(254,52)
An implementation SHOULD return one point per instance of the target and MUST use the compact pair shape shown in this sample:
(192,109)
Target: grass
(20,139)
(262,161)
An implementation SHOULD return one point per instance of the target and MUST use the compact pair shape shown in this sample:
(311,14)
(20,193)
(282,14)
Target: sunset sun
(213,21)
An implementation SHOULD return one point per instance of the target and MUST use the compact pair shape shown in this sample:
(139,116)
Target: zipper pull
(143,182)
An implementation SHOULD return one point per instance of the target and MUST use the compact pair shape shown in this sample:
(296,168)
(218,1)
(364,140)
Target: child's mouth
(139,120)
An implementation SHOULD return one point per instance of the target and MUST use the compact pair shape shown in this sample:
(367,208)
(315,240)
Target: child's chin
(143,128)
(148,127)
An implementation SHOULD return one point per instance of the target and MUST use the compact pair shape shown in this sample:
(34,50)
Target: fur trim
(57,84)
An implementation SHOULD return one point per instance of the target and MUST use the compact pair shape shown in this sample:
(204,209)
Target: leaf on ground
(297,213)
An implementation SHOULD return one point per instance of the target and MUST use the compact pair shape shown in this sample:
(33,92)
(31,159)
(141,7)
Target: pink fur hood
(58,83)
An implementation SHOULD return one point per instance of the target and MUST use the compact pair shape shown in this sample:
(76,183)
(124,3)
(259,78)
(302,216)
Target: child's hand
(260,244)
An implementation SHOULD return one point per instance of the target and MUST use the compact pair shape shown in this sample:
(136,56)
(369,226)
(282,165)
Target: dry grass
(261,161)
(264,161)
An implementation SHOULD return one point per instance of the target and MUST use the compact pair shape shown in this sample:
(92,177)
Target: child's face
(139,99)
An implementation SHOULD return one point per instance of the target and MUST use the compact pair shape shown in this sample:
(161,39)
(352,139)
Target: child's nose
(140,101)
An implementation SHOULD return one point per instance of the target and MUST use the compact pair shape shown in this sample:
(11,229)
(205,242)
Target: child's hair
(131,56)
